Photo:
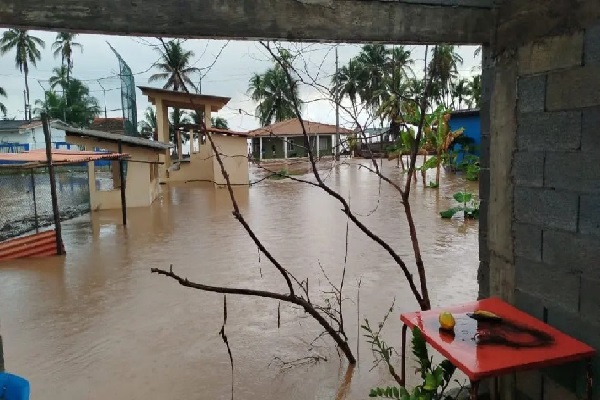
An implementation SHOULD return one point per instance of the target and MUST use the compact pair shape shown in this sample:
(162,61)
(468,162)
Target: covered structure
(140,171)
(286,139)
(540,109)
(201,165)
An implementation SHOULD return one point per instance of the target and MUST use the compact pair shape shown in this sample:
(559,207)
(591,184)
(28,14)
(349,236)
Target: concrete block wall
(548,263)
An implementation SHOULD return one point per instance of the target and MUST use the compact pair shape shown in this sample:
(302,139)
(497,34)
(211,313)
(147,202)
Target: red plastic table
(488,349)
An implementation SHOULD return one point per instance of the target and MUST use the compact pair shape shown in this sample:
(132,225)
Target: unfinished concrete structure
(201,165)
(540,178)
(141,177)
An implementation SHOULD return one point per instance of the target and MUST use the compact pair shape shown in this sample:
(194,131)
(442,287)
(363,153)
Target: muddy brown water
(96,324)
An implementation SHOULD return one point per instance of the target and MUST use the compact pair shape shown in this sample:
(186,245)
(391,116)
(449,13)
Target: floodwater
(96,324)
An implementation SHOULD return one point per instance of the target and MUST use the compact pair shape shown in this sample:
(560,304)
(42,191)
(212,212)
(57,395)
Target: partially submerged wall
(542,248)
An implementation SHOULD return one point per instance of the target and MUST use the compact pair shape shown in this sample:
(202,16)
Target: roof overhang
(184,100)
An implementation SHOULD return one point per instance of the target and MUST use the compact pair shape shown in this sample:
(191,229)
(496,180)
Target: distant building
(285,139)
(112,125)
(21,135)
(470,141)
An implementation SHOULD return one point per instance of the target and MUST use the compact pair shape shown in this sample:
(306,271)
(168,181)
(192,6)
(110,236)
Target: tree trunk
(28,110)
(437,172)
(423,171)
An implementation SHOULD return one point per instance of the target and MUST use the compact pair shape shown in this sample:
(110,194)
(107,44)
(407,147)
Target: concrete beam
(395,21)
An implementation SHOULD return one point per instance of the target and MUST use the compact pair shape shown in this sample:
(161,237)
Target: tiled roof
(112,125)
(292,127)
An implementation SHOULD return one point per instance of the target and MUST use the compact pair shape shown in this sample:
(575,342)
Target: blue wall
(471,122)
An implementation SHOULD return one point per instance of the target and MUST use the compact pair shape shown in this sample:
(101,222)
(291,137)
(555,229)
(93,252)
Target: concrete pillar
(260,149)
(179,144)
(317,146)
(207,116)
(162,128)
(285,147)
(334,144)
(92,184)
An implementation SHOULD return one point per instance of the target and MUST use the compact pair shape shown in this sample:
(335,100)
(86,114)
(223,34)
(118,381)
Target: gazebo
(201,165)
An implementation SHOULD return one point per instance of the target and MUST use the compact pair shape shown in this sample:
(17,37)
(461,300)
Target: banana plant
(439,137)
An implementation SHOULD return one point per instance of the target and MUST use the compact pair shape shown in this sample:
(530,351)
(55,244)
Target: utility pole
(337,110)
(104,91)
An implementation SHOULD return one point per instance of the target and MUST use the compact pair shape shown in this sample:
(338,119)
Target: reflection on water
(96,324)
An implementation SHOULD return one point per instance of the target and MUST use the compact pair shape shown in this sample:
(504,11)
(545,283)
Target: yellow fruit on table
(447,320)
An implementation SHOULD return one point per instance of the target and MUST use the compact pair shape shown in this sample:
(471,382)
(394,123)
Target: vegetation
(175,65)
(2,106)
(27,51)
(468,205)
(273,92)
(75,106)
(63,46)
(435,378)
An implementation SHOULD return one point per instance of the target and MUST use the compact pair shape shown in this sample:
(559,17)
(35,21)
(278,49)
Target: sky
(226,69)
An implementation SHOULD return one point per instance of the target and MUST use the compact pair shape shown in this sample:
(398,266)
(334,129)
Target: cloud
(229,75)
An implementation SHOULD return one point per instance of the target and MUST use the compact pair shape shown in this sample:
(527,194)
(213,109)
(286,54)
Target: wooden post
(122,178)
(55,211)
(1,355)
(35,214)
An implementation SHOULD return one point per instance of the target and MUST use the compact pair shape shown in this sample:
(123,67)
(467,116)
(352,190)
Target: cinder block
(589,215)
(529,384)
(532,93)
(590,300)
(546,208)
(591,48)
(528,241)
(576,171)
(590,130)
(551,54)
(529,303)
(574,252)
(484,250)
(484,158)
(551,131)
(484,182)
(573,88)
(550,283)
(555,391)
(483,216)
(483,279)
(528,168)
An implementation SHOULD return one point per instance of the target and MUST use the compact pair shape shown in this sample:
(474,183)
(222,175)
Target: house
(286,139)
(112,125)
(140,170)
(23,135)
(470,141)
(201,165)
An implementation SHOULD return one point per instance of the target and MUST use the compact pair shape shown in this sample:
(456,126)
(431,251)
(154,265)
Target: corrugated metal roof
(59,156)
(111,137)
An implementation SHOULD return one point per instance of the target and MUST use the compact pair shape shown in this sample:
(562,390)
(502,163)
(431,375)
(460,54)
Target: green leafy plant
(470,165)
(435,378)
(469,206)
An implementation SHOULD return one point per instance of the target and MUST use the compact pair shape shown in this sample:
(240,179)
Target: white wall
(34,137)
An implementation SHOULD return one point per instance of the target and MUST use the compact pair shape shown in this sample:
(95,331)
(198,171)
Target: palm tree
(461,92)
(175,64)
(63,46)
(275,95)
(27,51)
(373,59)
(148,125)
(475,91)
(60,77)
(443,68)
(2,106)
(219,123)
(349,81)
(75,106)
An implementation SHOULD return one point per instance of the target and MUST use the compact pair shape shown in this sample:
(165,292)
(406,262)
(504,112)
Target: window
(290,145)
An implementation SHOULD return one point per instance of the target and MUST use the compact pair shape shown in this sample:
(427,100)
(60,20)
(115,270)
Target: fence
(26,203)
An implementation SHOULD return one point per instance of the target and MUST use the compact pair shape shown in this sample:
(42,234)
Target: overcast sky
(231,66)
